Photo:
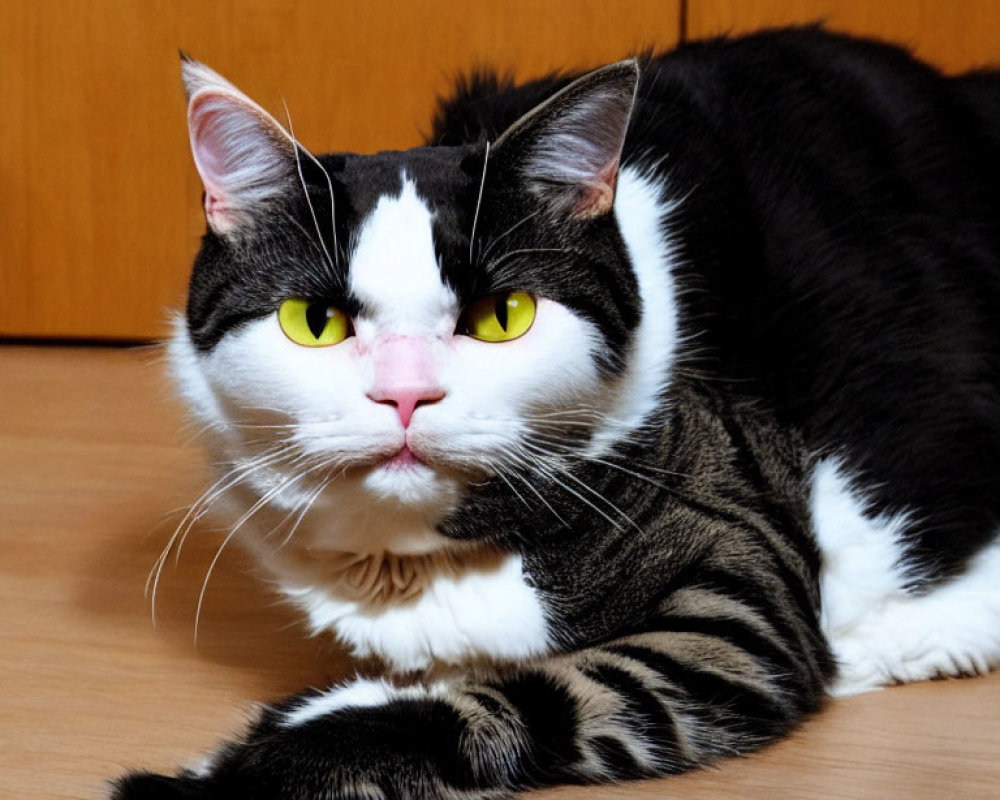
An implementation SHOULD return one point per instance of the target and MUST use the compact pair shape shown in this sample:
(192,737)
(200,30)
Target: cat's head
(374,334)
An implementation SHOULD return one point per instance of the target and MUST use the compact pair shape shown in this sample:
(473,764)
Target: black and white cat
(622,424)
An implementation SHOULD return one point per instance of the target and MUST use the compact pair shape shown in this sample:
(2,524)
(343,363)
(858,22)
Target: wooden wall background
(100,206)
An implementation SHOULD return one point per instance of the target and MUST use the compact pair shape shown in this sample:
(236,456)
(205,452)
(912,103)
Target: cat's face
(374,334)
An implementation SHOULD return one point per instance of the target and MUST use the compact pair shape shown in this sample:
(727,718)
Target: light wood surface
(96,468)
(101,206)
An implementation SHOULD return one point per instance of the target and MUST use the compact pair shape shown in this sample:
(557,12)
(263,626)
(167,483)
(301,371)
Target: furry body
(747,453)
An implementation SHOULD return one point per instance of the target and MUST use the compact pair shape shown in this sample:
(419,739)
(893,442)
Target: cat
(623,423)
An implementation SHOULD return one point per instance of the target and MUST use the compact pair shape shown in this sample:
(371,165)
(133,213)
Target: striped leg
(645,705)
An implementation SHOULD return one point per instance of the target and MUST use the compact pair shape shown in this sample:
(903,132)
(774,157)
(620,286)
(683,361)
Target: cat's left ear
(568,149)
(245,157)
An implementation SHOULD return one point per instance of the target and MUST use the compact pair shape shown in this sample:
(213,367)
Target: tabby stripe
(549,715)
(617,763)
(786,555)
(714,691)
(793,530)
(792,533)
(392,725)
(644,713)
(795,580)
(736,633)
(489,704)
(766,603)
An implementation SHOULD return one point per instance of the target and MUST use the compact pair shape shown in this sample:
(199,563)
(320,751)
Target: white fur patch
(394,269)
(880,633)
(188,376)
(860,553)
(494,614)
(953,630)
(641,212)
(360,693)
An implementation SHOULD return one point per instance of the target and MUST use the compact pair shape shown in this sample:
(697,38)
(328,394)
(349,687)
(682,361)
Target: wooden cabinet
(99,204)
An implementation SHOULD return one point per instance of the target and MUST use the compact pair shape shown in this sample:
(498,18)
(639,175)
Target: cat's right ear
(567,151)
(244,156)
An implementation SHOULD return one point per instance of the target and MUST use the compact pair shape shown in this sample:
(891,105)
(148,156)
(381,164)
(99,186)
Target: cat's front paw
(405,750)
(244,776)
(188,786)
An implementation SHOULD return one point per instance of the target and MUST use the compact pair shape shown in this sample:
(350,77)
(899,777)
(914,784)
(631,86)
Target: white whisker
(329,183)
(550,473)
(263,500)
(541,497)
(503,477)
(479,200)
(570,446)
(523,251)
(509,230)
(308,504)
(199,508)
(555,470)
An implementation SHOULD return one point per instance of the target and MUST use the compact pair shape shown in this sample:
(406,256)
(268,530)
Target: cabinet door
(99,204)
(954,34)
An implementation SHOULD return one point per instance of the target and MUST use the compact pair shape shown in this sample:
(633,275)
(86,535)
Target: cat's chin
(405,479)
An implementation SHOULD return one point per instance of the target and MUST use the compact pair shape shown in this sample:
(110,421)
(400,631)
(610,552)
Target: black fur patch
(840,236)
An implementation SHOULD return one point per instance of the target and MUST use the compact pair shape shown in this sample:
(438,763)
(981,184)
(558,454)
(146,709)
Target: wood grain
(954,35)
(95,470)
(101,206)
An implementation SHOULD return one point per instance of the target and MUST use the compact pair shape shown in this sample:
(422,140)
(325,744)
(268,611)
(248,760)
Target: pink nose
(405,376)
(406,399)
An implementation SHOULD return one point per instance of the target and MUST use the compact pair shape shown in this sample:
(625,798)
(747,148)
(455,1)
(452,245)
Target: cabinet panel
(954,35)
(99,204)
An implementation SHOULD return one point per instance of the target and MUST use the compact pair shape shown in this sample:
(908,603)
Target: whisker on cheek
(261,502)
(201,506)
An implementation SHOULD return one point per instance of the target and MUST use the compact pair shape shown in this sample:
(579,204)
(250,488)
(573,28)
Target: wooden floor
(96,469)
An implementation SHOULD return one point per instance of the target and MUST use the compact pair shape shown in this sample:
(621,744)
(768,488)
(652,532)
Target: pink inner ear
(597,196)
(207,145)
(240,154)
(211,161)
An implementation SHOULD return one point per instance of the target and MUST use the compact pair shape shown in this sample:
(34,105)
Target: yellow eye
(499,317)
(313,324)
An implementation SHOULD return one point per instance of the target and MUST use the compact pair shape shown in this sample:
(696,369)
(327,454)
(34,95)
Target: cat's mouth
(404,458)
(411,479)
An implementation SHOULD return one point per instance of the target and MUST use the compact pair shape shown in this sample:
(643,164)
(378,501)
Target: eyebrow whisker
(479,200)
(329,185)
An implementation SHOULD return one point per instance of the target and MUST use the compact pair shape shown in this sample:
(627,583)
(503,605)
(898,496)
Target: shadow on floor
(243,624)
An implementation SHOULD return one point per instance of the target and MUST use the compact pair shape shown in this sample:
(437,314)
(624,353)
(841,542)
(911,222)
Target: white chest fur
(478,613)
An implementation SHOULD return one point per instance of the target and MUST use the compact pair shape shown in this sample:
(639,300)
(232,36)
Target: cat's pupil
(317,315)
(500,309)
